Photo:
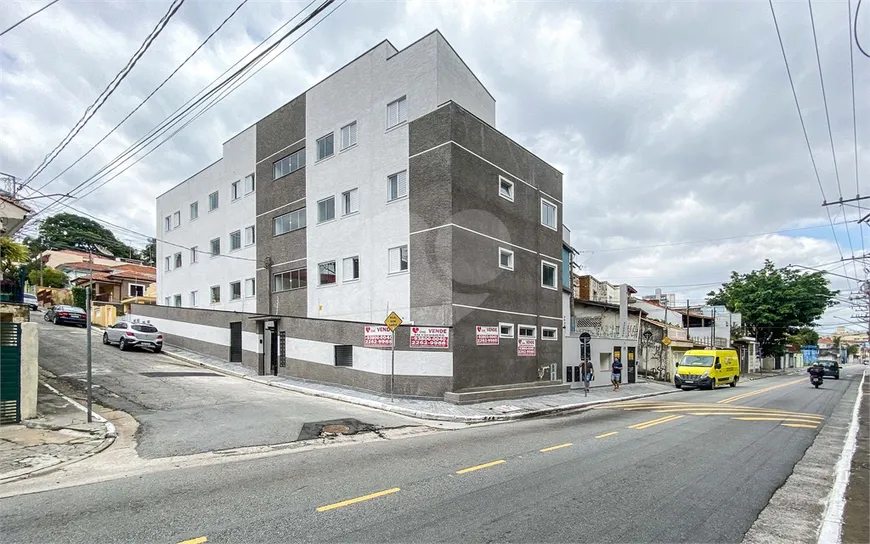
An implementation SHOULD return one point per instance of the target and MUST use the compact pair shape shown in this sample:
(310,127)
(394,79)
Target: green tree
(775,303)
(69,231)
(149,254)
(12,254)
(79,296)
(51,277)
(836,341)
(852,349)
(804,337)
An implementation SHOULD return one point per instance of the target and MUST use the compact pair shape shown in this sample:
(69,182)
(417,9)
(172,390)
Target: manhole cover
(335,429)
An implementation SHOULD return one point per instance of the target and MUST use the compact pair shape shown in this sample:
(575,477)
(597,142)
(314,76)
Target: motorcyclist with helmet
(816,371)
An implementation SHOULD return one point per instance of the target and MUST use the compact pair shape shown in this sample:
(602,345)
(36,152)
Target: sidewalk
(59,436)
(438,410)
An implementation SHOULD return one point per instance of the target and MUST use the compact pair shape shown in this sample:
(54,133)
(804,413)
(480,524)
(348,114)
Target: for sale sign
(430,337)
(377,337)
(526,347)
(487,336)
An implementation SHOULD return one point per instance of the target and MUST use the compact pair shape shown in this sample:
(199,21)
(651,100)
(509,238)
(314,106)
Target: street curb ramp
(387,407)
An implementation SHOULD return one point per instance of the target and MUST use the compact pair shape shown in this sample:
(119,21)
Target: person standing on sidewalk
(616,373)
(587,373)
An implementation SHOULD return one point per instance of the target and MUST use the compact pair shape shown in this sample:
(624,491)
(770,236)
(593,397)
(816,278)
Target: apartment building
(384,188)
(206,254)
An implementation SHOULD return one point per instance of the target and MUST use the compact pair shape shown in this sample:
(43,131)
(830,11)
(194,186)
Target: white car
(31,301)
(132,335)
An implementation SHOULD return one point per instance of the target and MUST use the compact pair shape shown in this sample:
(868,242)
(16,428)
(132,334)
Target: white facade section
(360,92)
(239,158)
(204,333)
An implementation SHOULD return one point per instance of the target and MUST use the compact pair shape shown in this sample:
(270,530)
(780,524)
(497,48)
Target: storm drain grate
(178,374)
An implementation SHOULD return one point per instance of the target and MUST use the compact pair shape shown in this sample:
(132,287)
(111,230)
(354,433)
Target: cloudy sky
(673,122)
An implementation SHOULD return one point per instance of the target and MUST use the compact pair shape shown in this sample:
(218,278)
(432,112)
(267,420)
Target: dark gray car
(62,315)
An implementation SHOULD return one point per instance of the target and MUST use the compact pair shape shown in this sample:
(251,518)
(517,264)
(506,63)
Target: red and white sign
(430,337)
(526,347)
(378,337)
(487,336)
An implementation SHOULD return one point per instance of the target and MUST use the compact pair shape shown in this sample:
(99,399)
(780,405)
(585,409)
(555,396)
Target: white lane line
(110,427)
(833,520)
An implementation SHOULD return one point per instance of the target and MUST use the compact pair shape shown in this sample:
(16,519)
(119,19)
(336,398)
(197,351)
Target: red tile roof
(86,266)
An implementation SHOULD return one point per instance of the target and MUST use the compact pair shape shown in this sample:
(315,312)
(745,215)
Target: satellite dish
(103,250)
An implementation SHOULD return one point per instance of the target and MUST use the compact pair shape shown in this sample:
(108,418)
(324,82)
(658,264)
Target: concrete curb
(107,441)
(455,418)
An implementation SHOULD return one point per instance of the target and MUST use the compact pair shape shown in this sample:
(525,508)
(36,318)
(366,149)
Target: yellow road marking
(478,467)
(792,419)
(560,446)
(799,425)
(197,540)
(758,392)
(650,423)
(759,414)
(358,499)
(605,435)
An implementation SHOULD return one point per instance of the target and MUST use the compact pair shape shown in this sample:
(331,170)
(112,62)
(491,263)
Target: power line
(857,41)
(855,124)
(174,119)
(101,99)
(804,126)
(195,51)
(53,2)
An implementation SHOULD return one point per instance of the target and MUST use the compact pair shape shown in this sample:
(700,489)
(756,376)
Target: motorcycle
(816,380)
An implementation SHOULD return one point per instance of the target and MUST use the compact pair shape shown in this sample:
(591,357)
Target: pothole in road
(333,428)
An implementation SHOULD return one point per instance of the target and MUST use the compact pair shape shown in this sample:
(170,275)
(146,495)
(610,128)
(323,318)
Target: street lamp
(647,337)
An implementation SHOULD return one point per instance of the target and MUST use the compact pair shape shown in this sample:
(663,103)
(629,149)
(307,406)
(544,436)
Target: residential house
(14,214)
(120,282)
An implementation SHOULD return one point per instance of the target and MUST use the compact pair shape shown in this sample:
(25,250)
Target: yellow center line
(653,422)
(197,540)
(560,446)
(605,435)
(478,467)
(799,425)
(791,419)
(358,499)
(759,414)
(757,392)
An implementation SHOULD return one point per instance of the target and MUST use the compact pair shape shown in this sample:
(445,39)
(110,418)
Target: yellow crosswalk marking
(650,423)
(799,425)
(791,420)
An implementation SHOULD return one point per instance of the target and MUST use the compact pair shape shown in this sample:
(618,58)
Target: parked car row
(123,334)
(64,315)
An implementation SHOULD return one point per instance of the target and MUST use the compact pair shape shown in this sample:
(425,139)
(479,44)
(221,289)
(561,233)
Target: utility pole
(88,327)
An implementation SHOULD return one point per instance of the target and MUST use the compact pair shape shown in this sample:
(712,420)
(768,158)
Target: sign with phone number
(430,337)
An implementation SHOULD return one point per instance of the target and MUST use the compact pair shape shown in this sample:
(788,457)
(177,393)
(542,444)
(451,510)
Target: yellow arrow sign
(393,321)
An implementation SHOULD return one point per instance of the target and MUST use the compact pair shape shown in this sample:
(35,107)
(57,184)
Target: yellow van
(707,368)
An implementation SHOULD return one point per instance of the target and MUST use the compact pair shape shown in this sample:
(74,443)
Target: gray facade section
(459,222)
(212,318)
(280,134)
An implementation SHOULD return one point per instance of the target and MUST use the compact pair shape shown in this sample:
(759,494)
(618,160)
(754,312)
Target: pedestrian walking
(616,373)
(587,373)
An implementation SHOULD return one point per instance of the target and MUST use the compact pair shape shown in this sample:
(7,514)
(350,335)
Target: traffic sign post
(393,321)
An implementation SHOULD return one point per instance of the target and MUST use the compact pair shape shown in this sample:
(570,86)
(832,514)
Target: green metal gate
(10,373)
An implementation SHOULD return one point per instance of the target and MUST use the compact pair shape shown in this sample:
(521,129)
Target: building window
(178,260)
(326,209)
(235,240)
(397,185)
(194,210)
(548,214)
(325,146)
(177,301)
(344,355)
(549,333)
(250,236)
(213,201)
(193,299)
(167,264)
(215,247)
(215,294)
(348,135)
(167,223)
(166,301)
(293,279)
(289,164)
(250,287)
(506,188)
(506,330)
(350,269)
(194,254)
(549,271)
(397,112)
(289,222)
(350,202)
(326,271)
(236,190)
(250,184)
(135,290)
(235,290)
(527,331)
(505,258)
(176,220)
(398,259)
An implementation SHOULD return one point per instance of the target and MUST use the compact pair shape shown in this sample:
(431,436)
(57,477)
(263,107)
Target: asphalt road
(184,410)
(633,473)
